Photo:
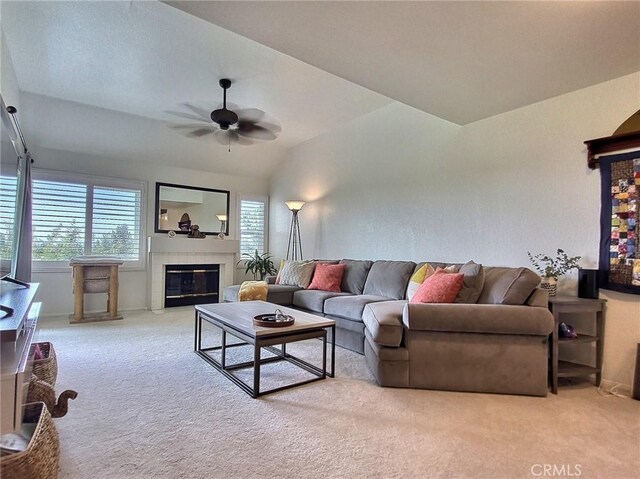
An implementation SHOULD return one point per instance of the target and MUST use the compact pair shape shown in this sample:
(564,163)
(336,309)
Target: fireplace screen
(187,284)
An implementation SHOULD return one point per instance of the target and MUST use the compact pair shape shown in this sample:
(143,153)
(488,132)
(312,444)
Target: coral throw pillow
(328,277)
(440,287)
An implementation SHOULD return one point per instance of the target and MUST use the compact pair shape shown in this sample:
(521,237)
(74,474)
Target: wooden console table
(95,275)
(560,305)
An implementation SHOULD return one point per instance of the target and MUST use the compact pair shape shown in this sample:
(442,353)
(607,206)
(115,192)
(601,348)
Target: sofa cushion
(328,277)
(386,353)
(472,283)
(355,275)
(504,285)
(440,287)
(276,293)
(350,307)
(253,291)
(422,272)
(389,278)
(281,294)
(313,300)
(297,273)
(384,322)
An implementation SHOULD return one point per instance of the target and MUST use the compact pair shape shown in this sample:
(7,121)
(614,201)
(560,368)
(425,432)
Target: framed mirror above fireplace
(178,207)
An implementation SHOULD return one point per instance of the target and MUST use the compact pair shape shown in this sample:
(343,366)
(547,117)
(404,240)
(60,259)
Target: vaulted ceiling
(105,75)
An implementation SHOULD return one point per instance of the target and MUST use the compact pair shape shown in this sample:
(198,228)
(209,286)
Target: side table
(560,305)
(95,274)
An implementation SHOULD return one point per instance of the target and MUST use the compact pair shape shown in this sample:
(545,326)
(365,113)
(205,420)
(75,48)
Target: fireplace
(187,284)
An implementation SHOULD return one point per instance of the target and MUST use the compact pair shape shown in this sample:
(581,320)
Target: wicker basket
(42,391)
(46,369)
(40,459)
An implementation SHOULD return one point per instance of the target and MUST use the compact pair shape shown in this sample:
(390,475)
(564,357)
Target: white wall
(401,184)
(11,96)
(55,287)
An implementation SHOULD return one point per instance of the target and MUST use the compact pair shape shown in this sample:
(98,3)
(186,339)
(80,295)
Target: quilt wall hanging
(619,225)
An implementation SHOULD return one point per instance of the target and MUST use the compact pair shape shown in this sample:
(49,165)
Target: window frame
(91,181)
(252,197)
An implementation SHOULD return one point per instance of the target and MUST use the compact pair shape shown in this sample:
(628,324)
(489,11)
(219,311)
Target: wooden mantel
(610,144)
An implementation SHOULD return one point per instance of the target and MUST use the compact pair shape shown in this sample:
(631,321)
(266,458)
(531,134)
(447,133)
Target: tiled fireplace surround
(164,250)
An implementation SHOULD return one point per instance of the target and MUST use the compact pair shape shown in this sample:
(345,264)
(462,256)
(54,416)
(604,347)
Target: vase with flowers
(552,268)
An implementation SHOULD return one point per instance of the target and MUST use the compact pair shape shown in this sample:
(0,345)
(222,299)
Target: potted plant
(258,264)
(552,268)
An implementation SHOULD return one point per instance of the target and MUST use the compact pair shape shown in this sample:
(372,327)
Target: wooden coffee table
(236,319)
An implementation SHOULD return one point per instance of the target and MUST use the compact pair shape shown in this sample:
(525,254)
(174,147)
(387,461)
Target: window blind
(115,225)
(7,214)
(252,226)
(59,213)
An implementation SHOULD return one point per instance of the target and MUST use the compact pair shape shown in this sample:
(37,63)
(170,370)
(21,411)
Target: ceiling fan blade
(188,116)
(255,131)
(192,126)
(250,114)
(222,137)
(201,112)
(240,140)
(200,132)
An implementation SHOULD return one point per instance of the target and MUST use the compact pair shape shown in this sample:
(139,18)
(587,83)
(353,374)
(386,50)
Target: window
(253,224)
(7,213)
(75,215)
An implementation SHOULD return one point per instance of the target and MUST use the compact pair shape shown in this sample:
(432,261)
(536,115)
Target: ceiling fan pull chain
(229,138)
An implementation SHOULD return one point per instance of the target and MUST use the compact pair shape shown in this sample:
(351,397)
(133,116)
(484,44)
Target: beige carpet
(148,407)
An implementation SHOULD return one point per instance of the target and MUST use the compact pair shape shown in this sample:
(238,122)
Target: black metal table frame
(267,343)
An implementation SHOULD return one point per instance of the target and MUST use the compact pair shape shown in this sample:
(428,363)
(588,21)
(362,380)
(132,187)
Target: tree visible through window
(76,217)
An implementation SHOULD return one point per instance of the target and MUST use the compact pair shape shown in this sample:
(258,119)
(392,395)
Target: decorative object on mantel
(185,222)
(171,234)
(258,264)
(95,274)
(194,232)
(552,268)
(619,268)
(223,225)
(294,248)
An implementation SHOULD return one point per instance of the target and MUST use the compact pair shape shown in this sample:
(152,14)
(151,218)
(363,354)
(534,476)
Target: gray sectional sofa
(497,344)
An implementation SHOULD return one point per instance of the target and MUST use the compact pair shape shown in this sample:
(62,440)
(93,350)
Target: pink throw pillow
(440,287)
(328,277)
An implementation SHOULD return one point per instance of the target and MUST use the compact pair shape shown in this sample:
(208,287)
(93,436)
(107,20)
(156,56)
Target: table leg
(554,353)
(599,344)
(324,354)
(195,333)
(78,289)
(333,351)
(223,350)
(256,370)
(113,292)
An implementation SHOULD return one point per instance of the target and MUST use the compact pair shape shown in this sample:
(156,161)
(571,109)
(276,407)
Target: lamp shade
(294,205)
(222,217)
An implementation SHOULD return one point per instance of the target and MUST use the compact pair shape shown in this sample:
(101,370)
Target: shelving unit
(560,305)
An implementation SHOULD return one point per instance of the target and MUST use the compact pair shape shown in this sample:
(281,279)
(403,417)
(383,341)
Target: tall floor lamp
(294,248)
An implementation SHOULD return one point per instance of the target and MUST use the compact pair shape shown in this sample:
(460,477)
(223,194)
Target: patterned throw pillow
(440,287)
(253,291)
(420,275)
(282,262)
(297,273)
(328,277)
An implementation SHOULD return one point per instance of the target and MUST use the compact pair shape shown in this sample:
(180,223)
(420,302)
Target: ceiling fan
(242,126)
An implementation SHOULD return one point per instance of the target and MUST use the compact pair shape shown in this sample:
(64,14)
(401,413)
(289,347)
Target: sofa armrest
(478,318)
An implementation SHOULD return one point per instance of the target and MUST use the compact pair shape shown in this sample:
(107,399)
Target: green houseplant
(552,268)
(258,264)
